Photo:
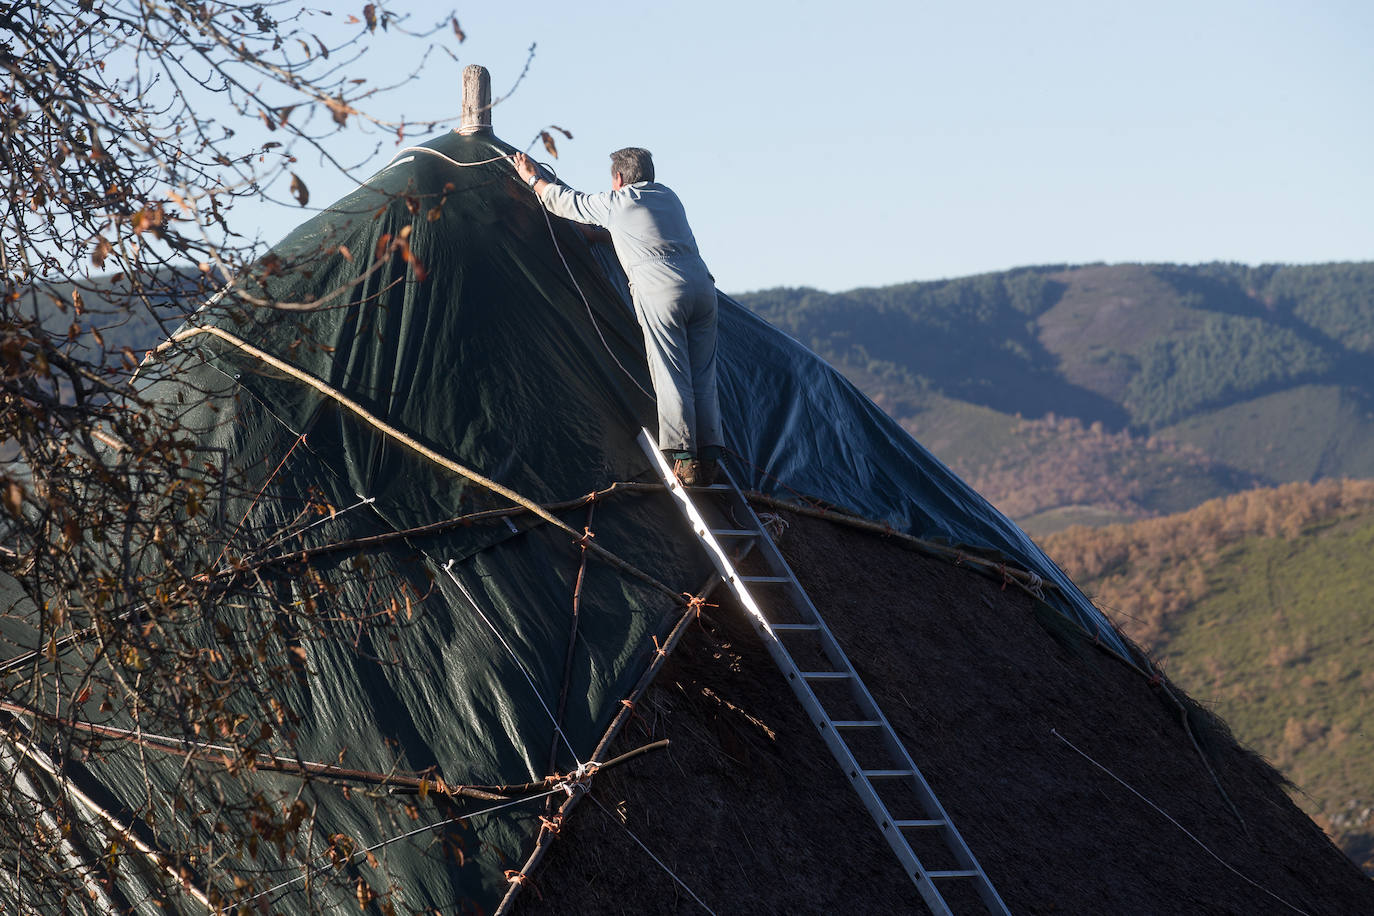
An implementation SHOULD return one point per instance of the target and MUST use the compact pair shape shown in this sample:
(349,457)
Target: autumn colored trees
(131,131)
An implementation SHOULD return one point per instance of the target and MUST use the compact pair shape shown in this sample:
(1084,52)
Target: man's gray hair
(632,164)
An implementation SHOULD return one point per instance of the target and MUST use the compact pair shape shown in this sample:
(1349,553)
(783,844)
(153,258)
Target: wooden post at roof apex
(476,100)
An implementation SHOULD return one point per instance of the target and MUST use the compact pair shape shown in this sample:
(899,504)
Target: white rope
(448,568)
(451,161)
(1185,830)
(329,518)
(556,247)
(774,524)
(396,839)
(680,882)
(576,781)
(122,830)
(595,324)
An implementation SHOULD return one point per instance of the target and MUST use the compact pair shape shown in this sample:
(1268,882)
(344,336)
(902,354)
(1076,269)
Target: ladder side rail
(821,720)
(850,765)
(925,794)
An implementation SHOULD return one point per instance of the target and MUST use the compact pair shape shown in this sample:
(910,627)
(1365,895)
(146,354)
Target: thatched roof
(748,809)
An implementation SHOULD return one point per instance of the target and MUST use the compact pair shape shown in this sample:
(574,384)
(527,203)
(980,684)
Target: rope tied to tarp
(334,861)
(553,237)
(529,679)
(579,780)
(659,862)
(1170,819)
(330,516)
(424,783)
(522,879)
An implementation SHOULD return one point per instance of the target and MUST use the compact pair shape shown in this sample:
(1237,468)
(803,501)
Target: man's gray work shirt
(648,227)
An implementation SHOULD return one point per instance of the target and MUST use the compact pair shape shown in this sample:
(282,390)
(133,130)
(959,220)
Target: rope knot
(586,538)
(576,782)
(553,825)
(522,879)
(695,603)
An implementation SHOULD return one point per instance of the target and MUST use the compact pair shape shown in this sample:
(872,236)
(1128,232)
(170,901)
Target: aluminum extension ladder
(901,781)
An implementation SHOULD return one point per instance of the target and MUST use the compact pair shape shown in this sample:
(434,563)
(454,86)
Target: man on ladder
(674,298)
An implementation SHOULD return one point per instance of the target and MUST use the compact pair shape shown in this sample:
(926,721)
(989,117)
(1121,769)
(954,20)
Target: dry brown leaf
(102,251)
(299,189)
(340,109)
(14,498)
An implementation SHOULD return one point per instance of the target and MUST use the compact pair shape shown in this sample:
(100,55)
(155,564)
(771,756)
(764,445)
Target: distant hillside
(1259,604)
(1076,395)
(1102,393)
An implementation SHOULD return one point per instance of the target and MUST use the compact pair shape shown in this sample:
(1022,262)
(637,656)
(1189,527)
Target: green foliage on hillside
(1331,299)
(1253,330)
(972,338)
(1222,357)
(1304,433)
(1226,359)
(1259,605)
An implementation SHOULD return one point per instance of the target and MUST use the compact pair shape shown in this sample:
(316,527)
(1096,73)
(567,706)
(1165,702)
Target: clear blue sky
(867,143)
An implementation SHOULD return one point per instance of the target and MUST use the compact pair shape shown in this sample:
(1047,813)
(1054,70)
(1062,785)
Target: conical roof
(400,370)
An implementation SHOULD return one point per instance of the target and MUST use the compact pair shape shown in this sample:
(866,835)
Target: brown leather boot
(687,471)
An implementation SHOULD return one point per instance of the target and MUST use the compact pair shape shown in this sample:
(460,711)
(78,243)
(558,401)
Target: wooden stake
(476,100)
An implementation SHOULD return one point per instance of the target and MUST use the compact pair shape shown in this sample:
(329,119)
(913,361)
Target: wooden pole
(476,100)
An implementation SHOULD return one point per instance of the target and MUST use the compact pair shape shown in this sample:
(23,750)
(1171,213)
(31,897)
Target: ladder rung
(737,514)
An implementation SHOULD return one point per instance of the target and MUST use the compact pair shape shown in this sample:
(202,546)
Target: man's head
(629,165)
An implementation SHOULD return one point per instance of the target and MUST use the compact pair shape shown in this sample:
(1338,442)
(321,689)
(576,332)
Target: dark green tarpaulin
(518,358)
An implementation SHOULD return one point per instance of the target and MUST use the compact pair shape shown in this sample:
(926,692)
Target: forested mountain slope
(1090,394)
(1105,393)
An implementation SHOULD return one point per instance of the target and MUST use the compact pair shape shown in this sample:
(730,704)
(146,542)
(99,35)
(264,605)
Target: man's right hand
(525,167)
